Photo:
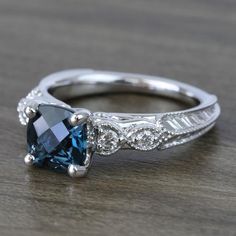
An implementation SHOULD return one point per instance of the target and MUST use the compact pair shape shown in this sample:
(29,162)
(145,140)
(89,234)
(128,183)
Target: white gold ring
(64,139)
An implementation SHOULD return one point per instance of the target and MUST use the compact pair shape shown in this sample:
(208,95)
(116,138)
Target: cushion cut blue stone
(53,142)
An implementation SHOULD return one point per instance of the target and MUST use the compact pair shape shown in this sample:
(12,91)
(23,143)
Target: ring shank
(94,83)
(166,129)
(86,88)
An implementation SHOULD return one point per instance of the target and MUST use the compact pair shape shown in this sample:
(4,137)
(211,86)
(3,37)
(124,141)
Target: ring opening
(123,93)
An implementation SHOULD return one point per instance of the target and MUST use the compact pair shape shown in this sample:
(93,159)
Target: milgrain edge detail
(31,98)
(183,127)
(111,133)
(170,130)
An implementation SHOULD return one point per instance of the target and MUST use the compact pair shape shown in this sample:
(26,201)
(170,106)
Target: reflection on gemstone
(53,141)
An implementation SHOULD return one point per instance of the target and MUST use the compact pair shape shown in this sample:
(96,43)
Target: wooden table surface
(189,190)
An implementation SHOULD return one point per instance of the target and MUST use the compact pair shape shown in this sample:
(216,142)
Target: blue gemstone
(53,142)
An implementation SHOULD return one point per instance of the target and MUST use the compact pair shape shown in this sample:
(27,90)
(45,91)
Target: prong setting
(79,117)
(30,112)
(29,159)
(75,171)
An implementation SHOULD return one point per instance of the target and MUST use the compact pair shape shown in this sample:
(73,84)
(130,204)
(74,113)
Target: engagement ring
(64,139)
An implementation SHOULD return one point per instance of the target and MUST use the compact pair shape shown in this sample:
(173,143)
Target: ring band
(64,139)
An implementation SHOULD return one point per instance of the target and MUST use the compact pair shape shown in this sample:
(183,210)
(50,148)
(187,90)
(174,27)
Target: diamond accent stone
(21,111)
(24,102)
(108,139)
(34,93)
(145,138)
(181,123)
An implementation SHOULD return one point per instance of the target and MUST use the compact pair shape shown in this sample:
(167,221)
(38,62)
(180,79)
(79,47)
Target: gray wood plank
(190,190)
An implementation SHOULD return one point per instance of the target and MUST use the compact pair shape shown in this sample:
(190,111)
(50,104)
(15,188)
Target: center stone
(53,142)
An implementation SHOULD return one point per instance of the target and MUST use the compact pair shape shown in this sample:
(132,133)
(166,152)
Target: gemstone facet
(53,142)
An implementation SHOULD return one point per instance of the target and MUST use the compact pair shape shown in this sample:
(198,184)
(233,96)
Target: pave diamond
(24,102)
(53,142)
(21,111)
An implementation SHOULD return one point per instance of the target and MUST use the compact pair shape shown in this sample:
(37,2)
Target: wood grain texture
(190,190)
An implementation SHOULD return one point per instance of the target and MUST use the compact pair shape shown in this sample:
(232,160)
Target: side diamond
(181,123)
(20,109)
(145,138)
(108,138)
(24,102)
